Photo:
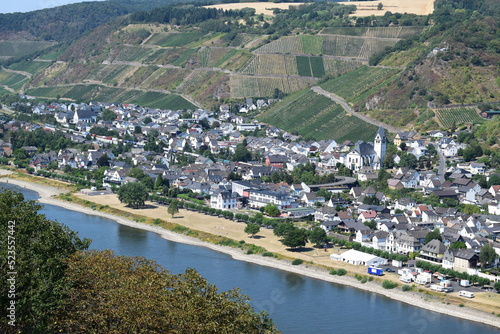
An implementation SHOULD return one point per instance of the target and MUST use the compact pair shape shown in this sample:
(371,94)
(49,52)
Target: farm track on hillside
(347,108)
(26,74)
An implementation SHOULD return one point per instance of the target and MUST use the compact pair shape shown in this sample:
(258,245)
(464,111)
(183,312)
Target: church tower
(380,146)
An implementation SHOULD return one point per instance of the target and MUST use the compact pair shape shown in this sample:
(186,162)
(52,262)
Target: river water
(296,303)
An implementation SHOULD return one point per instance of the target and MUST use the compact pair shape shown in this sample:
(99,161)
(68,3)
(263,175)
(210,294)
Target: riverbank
(413,298)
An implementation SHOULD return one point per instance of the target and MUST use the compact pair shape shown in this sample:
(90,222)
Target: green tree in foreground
(41,247)
(497,286)
(295,238)
(318,236)
(133,194)
(283,228)
(118,294)
(173,208)
(252,229)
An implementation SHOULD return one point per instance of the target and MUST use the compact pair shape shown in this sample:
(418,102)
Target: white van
(466,294)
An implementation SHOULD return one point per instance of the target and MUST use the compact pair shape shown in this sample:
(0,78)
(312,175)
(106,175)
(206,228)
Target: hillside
(187,56)
(78,18)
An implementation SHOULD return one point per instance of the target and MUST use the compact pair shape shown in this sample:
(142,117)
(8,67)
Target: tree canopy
(318,236)
(295,238)
(42,246)
(271,210)
(487,255)
(133,194)
(252,229)
(111,293)
(432,235)
(173,207)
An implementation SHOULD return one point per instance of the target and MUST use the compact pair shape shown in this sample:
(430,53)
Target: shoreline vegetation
(455,307)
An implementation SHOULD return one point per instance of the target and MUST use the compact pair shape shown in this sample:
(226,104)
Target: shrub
(461,305)
(333,272)
(249,251)
(363,280)
(370,278)
(157,221)
(268,254)
(296,262)
(341,272)
(386,284)
(406,287)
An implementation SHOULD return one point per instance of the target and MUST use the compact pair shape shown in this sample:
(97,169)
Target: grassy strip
(23,176)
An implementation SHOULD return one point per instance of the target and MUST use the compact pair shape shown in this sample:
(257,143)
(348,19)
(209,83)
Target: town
(413,198)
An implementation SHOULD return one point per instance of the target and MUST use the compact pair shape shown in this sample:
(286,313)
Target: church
(368,154)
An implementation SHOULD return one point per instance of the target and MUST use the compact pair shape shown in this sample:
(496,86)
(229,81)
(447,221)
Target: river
(297,304)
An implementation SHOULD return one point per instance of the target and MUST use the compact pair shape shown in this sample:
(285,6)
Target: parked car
(389,270)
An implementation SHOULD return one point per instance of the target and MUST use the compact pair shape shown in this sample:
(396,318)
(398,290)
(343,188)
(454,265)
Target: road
(347,108)
(442,162)
(342,181)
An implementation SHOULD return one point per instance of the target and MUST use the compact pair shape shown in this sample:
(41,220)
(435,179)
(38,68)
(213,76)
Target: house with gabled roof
(432,252)
(461,260)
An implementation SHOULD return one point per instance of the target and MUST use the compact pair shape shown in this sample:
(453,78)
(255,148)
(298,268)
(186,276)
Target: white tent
(355,257)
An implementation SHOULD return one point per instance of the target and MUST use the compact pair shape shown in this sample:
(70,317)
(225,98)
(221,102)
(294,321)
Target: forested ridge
(69,22)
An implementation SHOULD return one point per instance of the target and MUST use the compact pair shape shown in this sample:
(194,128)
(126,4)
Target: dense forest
(69,22)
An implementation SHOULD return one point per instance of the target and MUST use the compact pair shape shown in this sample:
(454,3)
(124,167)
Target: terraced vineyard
(383,32)
(110,73)
(333,45)
(195,79)
(241,39)
(162,101)
(357,47)
(351,85)
(184,57)
(4,91)
(165,78)
(132,53)
(49,92)
(244,86)
(340,66)
(272,64)
(108,94)
(451,117)
(311,44)
(278,64)
(316,116)
(32,67)
(12,80)
(174,39)
(21,48)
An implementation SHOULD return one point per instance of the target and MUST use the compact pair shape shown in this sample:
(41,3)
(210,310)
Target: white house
(224,200)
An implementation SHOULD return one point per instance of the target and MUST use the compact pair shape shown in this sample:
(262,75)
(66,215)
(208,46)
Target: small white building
(355,257)
(224,200)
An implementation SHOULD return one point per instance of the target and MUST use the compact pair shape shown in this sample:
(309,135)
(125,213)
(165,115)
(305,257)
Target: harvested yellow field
(365,8)
(368,8)
(265,8)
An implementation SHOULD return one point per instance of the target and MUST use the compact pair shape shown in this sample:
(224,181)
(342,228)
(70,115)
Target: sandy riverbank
(412,298)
